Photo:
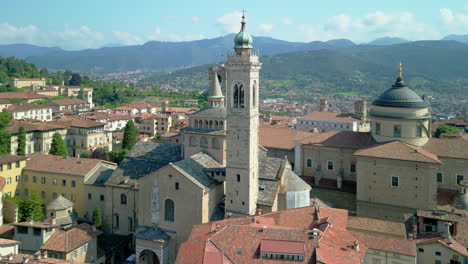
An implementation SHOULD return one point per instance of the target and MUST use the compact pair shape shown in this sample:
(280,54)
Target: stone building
(25,82)
(213,174)
(154,124)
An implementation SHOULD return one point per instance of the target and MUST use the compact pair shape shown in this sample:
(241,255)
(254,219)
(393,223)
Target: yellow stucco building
(10,169)
(51,176)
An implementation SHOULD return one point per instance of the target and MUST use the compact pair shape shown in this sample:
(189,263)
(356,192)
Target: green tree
(97,218)
(443,129)
(32,209)
(80,93)
(130,135)
(75,80)
(44,72)
(85,154)
(5,119)
(58,147)
(21,150)
(118,156)
(5,142)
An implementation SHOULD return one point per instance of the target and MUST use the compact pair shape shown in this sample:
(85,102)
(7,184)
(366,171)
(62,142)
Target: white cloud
(265,28)
(195,19)
(230,22)
(377,19)
(155,35)
(447,15)
(127,38)
(340,22)
(287,21)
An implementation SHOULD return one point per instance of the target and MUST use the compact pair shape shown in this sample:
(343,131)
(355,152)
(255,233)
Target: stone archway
(148,257)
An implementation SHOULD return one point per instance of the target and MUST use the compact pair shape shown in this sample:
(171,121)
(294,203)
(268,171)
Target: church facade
(218,172)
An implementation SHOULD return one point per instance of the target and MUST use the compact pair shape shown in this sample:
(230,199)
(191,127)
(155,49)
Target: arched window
(215,143)
(130,224)
(195,123)
(211,124)
(203,142)
(221,124)
(216,124)
(192,141)
(238,95)
(169,209)
(206,123)
(123,199)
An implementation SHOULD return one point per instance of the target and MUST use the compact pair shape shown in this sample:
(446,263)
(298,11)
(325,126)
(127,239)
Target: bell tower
(242,82)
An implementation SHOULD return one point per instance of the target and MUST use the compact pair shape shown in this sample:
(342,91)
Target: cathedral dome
(400,95)
(243,40)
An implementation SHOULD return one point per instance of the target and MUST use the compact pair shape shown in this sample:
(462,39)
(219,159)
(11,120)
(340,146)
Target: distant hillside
(387,41)
(11,67)
(22,51)
(429,66)
(156,55)
(459,38)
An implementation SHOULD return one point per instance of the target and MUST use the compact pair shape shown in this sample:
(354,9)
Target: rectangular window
(459,178)
(8,180)
(421,250)
(437,253)
(73,198)
(418,131)
(22,229)
(440,177)
(352,167)
(395,181)
(43,180)
(177,186)
(43,195)
(89,196)
(34,179)
(36,231)
(330,165)
(17,164)
(397,131)
(73,184)
(9,166)
(25,178)
(54,195)
(64,182)
(17,178)
(309,163)
(238,178)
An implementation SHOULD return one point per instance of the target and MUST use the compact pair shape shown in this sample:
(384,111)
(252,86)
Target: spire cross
(243,14)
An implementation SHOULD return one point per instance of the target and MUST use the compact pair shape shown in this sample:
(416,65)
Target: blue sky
(96,23)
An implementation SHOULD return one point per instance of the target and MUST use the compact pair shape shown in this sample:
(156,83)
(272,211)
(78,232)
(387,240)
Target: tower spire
(400,70)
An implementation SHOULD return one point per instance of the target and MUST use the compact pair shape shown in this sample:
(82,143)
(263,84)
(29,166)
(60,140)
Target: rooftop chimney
(37,255)
(356,245)
(264,229)
(44,254)
(25,260)
(10,256)
(323,105)
(447,234)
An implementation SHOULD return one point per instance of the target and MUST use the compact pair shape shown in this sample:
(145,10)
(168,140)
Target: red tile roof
(5,242)
(62,165)
(340,139)
(23,95)
(318,115)
(7,158)
(282,246)
(69,101)
(388,244)
(75,237)
(33,126)
(239,239)
(280,138)
(26,106)
(399,150)
(75,122)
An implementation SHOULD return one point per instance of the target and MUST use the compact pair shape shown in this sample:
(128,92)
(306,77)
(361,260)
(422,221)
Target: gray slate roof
(294,183)
(144,159)
(400,96)
(195,167)
(99,177)
(152,233)
(215,112)
(59,203)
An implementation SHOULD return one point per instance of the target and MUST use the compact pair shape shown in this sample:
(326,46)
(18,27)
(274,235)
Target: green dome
(243,40)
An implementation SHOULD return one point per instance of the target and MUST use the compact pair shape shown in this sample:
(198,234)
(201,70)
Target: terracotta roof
(20,259)
(318,115)
(280,138)
(69,101)
(75,122)
(66,241)
(33,126)
(4,242)
(62,165)
(239,239)
(23,95)
(6,158)
(26,106)
(386,243)
(376,226)
(445,147)
(28,79)
(340,139)
(398,150)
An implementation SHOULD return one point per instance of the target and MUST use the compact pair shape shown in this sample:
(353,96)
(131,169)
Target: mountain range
(157,55)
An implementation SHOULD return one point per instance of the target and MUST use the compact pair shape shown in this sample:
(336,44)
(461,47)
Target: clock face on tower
(238,95)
